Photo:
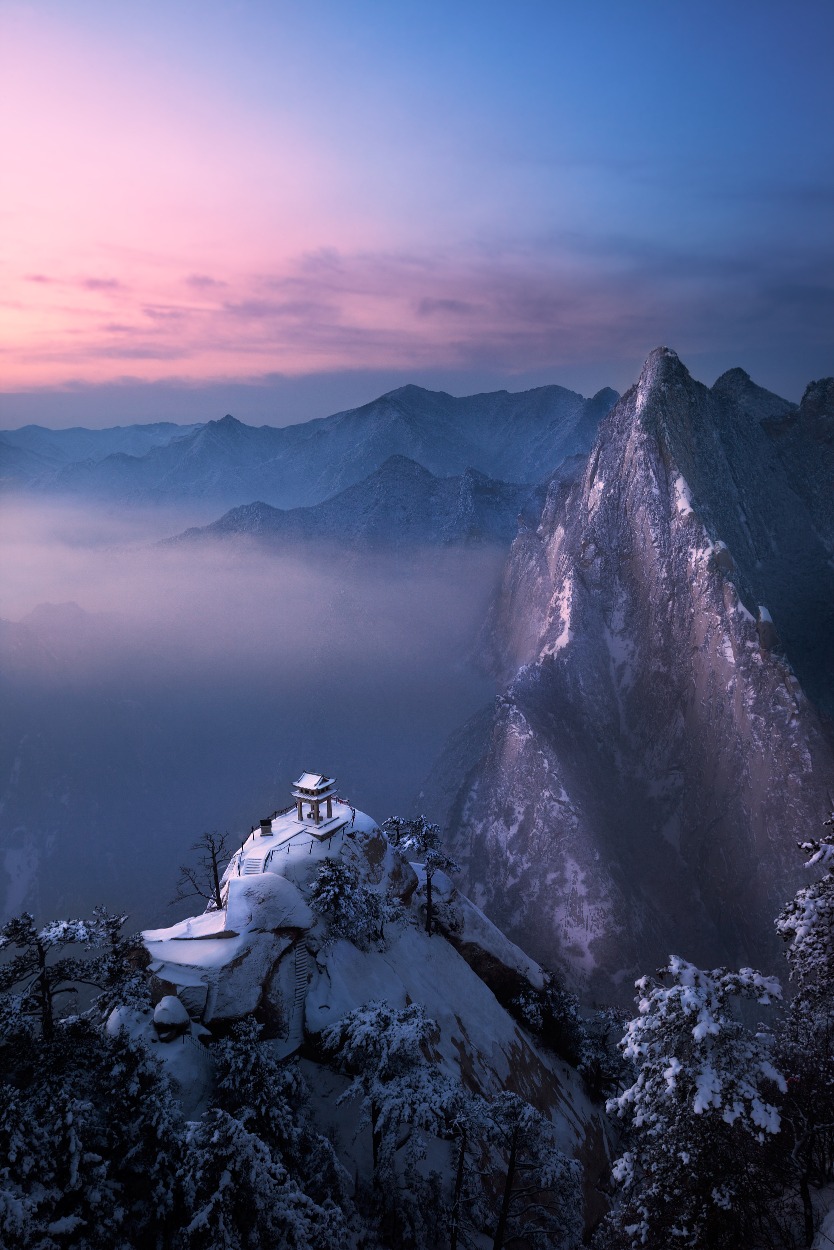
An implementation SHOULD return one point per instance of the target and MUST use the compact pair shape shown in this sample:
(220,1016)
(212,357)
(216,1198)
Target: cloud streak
(372,201)
(519,308)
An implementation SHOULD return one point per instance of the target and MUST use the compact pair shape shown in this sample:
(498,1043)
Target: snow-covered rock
(265,903)
(170,1013)
(267,953)
(640,784)
(499,963)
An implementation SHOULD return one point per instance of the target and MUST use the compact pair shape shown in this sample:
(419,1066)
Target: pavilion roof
(314,781)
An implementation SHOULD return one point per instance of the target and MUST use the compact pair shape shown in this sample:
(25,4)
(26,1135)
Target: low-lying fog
(190,686)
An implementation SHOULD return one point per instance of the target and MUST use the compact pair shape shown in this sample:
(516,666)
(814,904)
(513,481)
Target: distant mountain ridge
(401,504)
(519,437)
(34,454)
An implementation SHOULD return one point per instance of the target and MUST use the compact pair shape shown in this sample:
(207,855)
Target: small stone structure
(314,789)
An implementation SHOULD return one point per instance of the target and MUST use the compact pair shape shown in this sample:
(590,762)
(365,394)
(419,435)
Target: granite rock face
(641,784)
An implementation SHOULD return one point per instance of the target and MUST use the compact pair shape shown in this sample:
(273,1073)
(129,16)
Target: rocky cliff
(642,782)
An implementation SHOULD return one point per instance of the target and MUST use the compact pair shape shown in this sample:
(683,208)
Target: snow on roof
(314,781)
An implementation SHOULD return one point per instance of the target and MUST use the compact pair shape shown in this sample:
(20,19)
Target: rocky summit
(640,785)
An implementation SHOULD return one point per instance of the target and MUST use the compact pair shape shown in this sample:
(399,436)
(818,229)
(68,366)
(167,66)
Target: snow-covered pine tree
(384,1049)
(352,910)
(807,924)
(241,1197)
(269,1098)
(540,1198)
(119,970)
(403,1096)
(421,837)
(40,972)
(553,1014)
(699,1112)
(144,1143)
(90,1141)
(806,1043)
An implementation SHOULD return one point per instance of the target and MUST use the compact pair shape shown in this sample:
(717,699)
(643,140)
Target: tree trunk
(504,1214)
(47,1019)
(807,1209)
(805,1191)
(376,1141)
(429,876)
(217,897)
(456,1196)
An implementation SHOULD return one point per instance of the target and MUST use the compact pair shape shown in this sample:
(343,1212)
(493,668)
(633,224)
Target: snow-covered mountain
(301,941)
(641,784)
(512,437)
(34,454)
(401,504)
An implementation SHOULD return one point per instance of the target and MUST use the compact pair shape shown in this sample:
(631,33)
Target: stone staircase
(255,861)
(295,1032)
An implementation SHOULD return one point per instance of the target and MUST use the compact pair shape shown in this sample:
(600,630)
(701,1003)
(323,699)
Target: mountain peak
(403,464)
(663,373)
(409,391)
(663,365)
(754,401)
(816,411)
(732,378)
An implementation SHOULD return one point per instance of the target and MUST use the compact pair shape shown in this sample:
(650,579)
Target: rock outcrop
(643,780)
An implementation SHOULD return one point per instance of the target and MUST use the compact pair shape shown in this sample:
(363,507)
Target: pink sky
(156,225)
(197,191)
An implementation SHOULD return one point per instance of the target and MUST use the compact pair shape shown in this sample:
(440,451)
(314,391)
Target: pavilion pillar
(298,804)
(329,807)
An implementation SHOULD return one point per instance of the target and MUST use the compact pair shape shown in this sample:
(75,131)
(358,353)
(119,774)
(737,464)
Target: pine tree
(352,910)
(33,979)
(806,1045)
(269,1098)
(241,1197)
(421,837)
(807,924)
(90,1139)
(119,970)
(540,1198)
(699,1111)
(553,1014)
(403,1096)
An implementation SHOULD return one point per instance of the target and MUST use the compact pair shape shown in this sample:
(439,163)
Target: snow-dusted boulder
(170,1018)
(502,965)
(169,1013)
(386,869)
(133,1022)
(265,903)
(239,983)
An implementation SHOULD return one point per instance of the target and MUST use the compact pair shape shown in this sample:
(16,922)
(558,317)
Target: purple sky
(282,210)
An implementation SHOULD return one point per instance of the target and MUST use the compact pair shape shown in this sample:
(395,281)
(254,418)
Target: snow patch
(563,604)
(683,497)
